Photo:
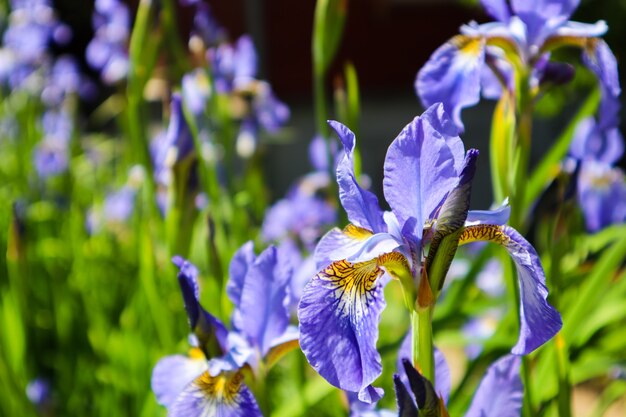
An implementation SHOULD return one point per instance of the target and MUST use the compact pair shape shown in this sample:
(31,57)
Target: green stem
(426,354)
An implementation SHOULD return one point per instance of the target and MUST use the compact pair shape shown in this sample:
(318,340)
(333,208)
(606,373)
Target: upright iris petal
(420,168)
(360,205)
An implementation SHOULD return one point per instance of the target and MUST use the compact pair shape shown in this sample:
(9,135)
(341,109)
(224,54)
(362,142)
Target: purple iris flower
(210,380)
(32,28)
(234,70)
(601,185)
(173,147)
(427,185)
(108,50)
(523,34)
(500,392)
(301,214)
(51,155)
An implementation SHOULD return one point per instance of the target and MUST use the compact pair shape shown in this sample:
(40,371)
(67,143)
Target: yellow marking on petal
(352,284)
(488,232)
(196,354)
(224,388)
(356,232)
(468,45)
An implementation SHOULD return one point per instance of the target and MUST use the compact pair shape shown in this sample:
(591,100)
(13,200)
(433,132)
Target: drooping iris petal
(498,9)
(500,392)
(539,321)
(452,76)
(210,331)
(339,314)
(173,373)
(601,195)
(420,169)
(442,371)
(264,305)
(361,205)
(224,395)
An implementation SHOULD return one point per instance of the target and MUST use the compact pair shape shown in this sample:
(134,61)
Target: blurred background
(388,41)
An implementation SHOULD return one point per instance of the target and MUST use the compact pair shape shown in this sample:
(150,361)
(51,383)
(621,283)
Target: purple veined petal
(601,195)
(500,392)
(420,170)
(361,205)
(498,9)
(210,331)
(335,241)
(443,381)
(339,314)
(452,76)
(498,216)
(582,30)
(599,58)
(539,321)
(224,395)
(173,373)
(264,306)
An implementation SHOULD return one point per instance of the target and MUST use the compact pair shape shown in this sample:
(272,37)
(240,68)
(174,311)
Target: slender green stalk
(426,356)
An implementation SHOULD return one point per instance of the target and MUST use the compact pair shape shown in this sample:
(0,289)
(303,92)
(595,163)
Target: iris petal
(420,169)
(173,373)
(500,393)
(224,395)
(209,330)
(265,299)
(539,321)
(337,244)
(361,205)
(339,314)
(452,75)
(237,270)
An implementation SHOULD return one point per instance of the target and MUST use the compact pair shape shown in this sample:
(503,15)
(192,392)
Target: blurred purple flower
(597,146)
(33,27)
(38,391)
(455,73)
(51,155)
(107,52)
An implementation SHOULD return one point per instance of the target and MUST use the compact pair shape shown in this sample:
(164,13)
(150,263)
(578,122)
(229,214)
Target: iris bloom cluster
(489,57)
(210,381)
(427,184)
